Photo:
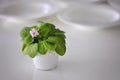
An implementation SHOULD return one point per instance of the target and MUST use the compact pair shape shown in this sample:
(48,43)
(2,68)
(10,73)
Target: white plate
(90,16)
(115,4)
(29,10)
(79,1)
(67,3)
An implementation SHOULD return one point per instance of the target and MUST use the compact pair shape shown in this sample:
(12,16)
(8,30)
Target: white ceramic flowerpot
(46,62)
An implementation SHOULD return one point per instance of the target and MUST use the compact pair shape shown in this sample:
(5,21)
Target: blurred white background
(91,54)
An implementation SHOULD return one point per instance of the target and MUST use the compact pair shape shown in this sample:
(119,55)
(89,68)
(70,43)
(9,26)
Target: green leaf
(52,39)
(32,50)
(49,20)
(28,39)
(25,35)
(24,48)
(25,32)
(50,46)
(55,39)
(40,21)
(62,40)
(61,36)
(60,49)
(46,28)
(42,49)
(59,32)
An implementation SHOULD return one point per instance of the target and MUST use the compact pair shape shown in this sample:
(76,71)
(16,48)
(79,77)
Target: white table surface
(90,55)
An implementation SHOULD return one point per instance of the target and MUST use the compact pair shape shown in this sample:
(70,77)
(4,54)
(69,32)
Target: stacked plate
(90,16)
(28,11)
(68,3)
(87,16)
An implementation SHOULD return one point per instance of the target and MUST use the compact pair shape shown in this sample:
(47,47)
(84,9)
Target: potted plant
(43,43)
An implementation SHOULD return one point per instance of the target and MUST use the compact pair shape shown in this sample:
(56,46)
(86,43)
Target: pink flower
(34,33)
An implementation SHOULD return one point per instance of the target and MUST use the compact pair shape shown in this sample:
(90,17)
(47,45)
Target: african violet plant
(40,39)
